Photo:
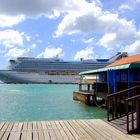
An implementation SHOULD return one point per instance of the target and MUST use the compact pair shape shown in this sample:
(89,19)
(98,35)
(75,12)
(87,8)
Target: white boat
(43,70)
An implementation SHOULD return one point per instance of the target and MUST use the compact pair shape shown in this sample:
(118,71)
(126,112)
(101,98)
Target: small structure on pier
(120,75)
(119,84)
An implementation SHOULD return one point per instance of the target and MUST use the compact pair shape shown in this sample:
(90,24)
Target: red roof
(126,60)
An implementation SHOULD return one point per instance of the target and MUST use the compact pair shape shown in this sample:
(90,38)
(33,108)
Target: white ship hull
(8,76)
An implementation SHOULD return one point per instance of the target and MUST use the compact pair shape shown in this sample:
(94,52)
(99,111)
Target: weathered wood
(57,132)
(62,130)
(7,133)
(72,131)
(3,129)
(63,134)
(83,97)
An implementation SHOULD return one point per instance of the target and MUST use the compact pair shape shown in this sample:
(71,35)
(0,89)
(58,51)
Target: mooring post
(88,100)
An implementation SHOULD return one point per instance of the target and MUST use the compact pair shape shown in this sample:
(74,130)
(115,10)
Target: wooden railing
(116,103)
(125,103)
(133,114)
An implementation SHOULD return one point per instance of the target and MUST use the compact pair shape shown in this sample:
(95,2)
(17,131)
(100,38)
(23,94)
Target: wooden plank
(7,133)
(41,135)
(5,126)
(35,126)
(46,135)
(20,126)
(17,135)
(57,132)
(29,134)
(13,135)
(18,131)
(45,131)
(15,126)
(68,133)
(93,132)
(24,131)
(110,130)
(3,129)
(51,131)
(1,125)
(77,129)
(62,132)
(105,130)
(98,129)
(24,135)
(35,135)
(72,125)
(39,126)
(25,126)
(44,127)
(85,130)
(73,132)
(30,126)
(40,131)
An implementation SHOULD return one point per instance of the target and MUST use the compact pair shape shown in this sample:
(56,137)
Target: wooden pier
(62,130)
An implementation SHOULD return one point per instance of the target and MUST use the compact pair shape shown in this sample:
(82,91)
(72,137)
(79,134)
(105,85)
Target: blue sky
(71,29)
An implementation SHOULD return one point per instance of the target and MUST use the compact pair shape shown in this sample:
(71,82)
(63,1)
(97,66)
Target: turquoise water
(21,102)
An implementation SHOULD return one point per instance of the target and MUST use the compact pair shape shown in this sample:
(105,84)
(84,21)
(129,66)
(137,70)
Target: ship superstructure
(43,70)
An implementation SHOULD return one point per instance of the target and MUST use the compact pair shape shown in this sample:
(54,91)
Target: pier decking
(62,130)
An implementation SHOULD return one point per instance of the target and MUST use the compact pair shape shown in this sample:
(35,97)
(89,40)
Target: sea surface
(30,102)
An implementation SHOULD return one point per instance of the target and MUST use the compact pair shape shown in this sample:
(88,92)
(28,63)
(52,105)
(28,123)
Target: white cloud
(89,40)
(129,5)
(91,19)
(125,7)
(117,32)
(9,21)
(79,16)
(79,20)
(108,41)
(86,53)
(33,46)
(51,53)
(15,52)
(11,38)
(133,48)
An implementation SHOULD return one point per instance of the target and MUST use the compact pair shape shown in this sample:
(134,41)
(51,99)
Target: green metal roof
(93,71)
(126,66)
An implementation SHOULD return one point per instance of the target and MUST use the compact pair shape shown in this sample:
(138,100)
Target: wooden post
(138,113)
(96,86)
(88,100)
(88,87)
(80,87)
(114,81)
(127,115)
(108,81)
(128,81)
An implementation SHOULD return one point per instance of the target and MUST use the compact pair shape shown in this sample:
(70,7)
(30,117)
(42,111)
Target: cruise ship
(44,70)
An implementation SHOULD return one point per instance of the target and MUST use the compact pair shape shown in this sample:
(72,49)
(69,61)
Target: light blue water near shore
(21,102)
